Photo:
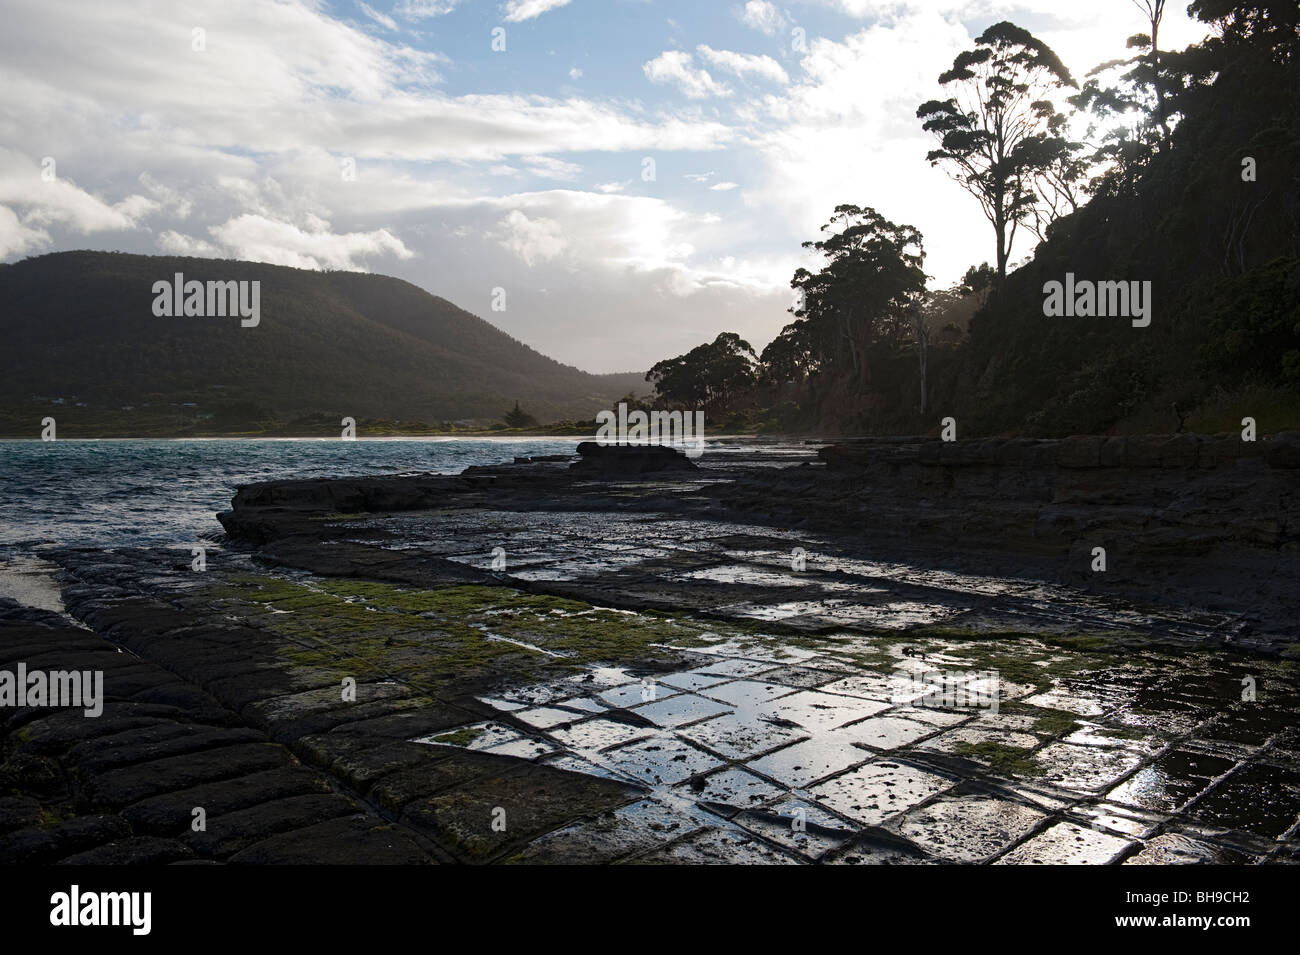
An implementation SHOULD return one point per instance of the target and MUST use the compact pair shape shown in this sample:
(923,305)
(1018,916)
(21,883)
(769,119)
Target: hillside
(80,326)
(1221,250)
(1184,197)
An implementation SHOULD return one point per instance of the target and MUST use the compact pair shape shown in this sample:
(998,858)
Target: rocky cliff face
(1205,518)
(1183,494)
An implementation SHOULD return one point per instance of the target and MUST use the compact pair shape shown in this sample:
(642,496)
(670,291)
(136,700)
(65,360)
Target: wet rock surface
(1197,520)
(533,664)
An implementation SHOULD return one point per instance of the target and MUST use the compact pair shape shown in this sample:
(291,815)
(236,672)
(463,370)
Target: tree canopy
(708,374)
(1188,177)
(1000,134)
(872,275)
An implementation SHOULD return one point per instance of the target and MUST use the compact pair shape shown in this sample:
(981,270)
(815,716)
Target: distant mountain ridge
(81,325)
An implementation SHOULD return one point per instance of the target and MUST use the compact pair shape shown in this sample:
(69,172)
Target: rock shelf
(734,662)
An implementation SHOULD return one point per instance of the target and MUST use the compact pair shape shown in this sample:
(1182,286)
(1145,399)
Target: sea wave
(109,493)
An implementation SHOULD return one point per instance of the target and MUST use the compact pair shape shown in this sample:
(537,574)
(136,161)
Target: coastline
(656,667)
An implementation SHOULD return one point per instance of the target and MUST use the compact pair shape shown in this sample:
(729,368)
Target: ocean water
(127,493)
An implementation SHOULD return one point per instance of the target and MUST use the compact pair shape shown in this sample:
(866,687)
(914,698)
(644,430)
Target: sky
(636,175)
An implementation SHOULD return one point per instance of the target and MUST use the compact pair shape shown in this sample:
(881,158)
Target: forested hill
(1211,217)
(81,326)
(1170,180)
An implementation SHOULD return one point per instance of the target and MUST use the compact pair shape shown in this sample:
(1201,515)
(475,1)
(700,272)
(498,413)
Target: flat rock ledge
(1181,451)
(481,684)
(1189,521)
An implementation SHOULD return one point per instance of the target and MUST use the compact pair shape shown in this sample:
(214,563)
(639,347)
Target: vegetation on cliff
(1188,178)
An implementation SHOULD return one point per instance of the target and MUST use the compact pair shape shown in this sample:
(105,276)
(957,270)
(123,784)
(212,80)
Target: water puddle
(31,582)
(775,752)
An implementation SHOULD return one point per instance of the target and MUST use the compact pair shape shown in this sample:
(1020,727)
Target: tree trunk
(1001,226)
(1161,112)
(923,356)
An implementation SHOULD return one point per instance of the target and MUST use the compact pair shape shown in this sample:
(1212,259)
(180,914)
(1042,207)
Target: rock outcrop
(628,460)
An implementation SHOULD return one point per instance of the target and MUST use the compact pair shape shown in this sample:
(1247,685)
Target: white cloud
(60,201)
(640,252)
(424,9)
(168,198)
(763,16)
(533,240)
(1082,34)
(260,239)
(517,11)
(724,186)
(17,238)
(675,67)
(827,142)
(336,88)
(552,168)
(382,19)
(173,243)
(874,9)
(575,74)
(744,63)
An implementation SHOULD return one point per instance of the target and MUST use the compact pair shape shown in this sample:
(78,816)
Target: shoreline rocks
(234,694)
(1175,530)
(1180,451)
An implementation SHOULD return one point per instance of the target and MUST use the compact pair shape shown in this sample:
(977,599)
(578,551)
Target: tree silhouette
(1154,10)
(517,417)
(866,289)
(709,374)
(999,133)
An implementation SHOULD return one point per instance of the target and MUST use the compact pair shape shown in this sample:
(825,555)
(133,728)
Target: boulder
(618,460)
